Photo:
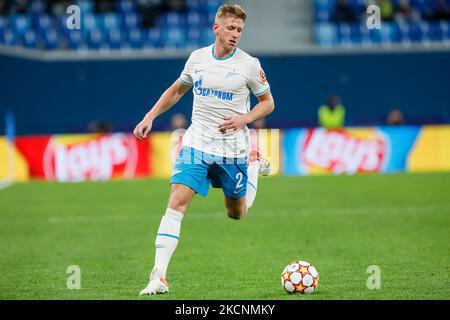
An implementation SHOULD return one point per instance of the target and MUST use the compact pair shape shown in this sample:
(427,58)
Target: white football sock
(252,183)
(166,242)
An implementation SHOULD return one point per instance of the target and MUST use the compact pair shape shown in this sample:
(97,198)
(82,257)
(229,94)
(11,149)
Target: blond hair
(234,10)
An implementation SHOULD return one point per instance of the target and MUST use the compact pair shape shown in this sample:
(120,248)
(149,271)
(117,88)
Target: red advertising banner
(85,157)
(344,151)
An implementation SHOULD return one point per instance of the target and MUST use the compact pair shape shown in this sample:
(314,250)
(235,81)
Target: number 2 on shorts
(239,177)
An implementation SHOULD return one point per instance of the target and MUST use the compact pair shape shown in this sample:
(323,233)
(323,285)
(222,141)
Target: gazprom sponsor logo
(206,92)
(222,95)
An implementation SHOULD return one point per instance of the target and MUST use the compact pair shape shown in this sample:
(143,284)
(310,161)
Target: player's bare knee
(178,204)
(179,199)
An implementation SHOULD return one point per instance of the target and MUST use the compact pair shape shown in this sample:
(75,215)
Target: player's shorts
(197,170)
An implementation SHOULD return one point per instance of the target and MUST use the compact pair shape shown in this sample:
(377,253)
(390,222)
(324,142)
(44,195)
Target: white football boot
(155,286)
(264,168)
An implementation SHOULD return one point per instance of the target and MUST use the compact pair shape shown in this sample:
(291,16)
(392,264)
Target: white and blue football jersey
(221,87)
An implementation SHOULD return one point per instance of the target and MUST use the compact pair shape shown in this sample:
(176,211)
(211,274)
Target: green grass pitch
(342,225)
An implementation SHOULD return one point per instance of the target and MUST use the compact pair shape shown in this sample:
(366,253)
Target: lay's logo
(101,158)
(343,152)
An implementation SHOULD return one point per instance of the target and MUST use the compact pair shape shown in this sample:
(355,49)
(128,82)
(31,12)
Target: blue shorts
(197,170)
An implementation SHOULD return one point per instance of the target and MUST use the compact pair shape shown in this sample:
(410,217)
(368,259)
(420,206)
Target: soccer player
(215,146)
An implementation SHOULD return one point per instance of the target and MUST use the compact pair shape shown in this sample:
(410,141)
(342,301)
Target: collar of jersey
(224,58)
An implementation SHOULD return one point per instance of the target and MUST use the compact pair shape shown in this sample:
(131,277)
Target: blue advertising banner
(347,151)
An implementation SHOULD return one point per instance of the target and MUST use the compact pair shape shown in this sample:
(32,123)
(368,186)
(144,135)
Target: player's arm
(264,107)
(170,97)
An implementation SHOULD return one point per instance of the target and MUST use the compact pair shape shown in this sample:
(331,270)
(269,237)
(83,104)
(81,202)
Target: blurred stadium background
(105,76)
(71,98)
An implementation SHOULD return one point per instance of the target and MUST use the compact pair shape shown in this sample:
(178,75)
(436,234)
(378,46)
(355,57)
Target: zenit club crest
(262,75)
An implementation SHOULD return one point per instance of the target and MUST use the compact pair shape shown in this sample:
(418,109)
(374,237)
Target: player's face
(228,31)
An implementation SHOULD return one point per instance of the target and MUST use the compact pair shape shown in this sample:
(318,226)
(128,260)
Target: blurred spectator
(395,118)
(21,6)
(9,7)
(58,7)
(176,5)
(441,10)
(101,6)
(405,12)
(178,121)
(178,125)
(332,114)
(259,124)
(5,7)
(99,127)
(343,12)
(151,9)
(386,10)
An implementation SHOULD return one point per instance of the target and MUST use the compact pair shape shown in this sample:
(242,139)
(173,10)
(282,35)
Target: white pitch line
(4,185)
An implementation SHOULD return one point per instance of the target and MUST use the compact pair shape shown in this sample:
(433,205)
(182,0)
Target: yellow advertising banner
(13,165)
(431,151)
(163,152)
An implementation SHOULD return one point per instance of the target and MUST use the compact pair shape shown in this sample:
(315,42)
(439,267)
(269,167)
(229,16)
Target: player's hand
(233,123)
(142,129)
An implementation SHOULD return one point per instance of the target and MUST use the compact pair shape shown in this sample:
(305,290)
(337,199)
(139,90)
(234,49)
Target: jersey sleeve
(185,76)
(258,83)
